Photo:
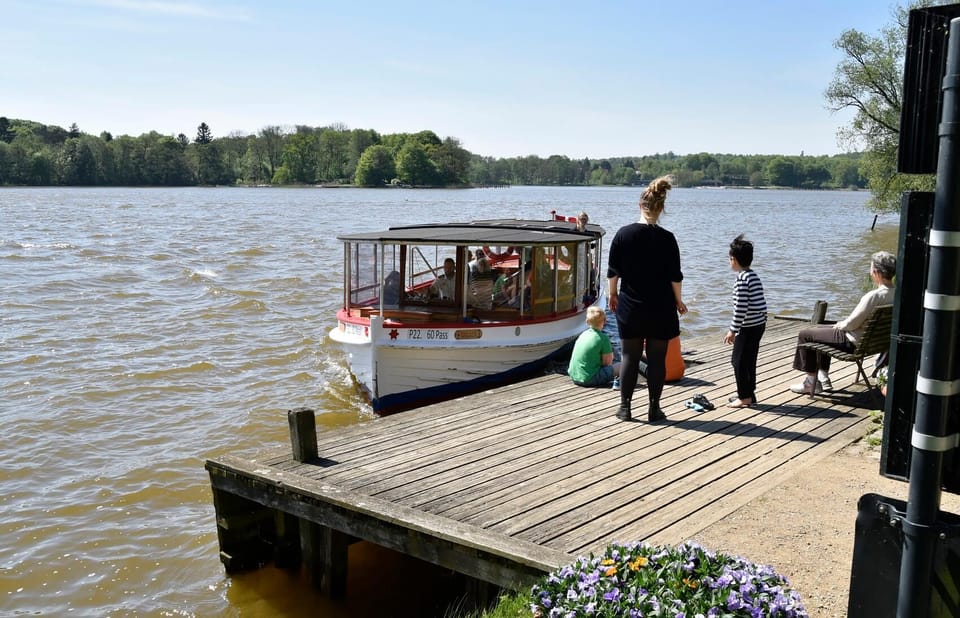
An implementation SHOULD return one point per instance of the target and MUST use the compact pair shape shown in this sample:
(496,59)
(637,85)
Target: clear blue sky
(507,78)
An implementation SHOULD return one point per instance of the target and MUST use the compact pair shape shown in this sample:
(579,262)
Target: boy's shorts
(603,377)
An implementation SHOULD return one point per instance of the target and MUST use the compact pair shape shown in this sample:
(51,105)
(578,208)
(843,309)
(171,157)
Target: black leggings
(632,351)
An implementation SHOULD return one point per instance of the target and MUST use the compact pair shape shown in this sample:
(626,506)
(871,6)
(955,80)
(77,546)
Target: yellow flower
(691,583)
(636,564)
(606,562)
(611,571)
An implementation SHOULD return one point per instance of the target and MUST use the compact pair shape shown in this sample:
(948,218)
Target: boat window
(364,282)
(586,273)
(567,296)
(427,279)
(370,266)
(541,281)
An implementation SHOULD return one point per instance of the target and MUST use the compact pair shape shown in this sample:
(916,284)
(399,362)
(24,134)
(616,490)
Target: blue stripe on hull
(398,402)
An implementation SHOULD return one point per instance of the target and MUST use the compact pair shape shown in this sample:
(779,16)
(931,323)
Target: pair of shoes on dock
(809,386)
(699,403)
(701,400)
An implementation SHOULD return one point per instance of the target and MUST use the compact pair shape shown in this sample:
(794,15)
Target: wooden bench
(875,340)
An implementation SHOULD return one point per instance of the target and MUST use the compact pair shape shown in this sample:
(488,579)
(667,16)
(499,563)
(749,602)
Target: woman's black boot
(655,414)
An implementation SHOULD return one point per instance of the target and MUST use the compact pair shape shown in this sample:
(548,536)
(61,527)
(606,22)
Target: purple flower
(733,601)
(613,595)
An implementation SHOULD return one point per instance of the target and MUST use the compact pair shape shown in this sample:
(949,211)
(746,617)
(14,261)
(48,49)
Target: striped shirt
(749,304)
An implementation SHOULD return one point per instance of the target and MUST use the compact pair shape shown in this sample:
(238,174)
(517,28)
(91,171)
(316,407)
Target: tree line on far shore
(34,154)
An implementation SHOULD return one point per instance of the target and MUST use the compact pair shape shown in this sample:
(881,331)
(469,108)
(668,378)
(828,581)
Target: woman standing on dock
(644,287)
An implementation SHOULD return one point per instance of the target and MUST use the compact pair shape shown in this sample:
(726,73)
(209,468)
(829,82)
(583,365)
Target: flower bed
(687,581)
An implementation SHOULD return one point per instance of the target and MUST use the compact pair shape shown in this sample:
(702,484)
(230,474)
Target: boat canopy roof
(490,232)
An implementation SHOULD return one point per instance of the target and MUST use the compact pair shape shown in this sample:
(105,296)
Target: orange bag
(675,365)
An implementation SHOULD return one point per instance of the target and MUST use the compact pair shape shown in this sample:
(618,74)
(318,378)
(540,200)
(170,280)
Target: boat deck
(515,481)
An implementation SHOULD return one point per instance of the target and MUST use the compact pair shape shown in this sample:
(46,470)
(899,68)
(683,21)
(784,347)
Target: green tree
(451,161)
(375,167)
(846,173)
(360,140)
(40,170)
(271,139)
(204,135)
(333,154)
(781,172)
(6,177)
(206,173)
(299,160)
(6,133)
(869,80)
(414,166)
(255,168)
(233,150)
(815,176)
(166,163)
(76,165)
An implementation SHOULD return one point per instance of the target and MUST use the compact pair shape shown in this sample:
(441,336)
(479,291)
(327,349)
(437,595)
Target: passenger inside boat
(481,283)
(505,288)
(445,285)
(391,288)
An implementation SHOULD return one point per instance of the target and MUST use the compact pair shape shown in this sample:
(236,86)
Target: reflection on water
(145,330)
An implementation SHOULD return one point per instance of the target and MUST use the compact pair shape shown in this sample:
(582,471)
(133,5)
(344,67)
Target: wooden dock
(505,485)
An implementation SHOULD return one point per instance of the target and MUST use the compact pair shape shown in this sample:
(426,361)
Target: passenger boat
(435,311)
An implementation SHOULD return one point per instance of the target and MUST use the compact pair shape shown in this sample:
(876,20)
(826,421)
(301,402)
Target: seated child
(591,363)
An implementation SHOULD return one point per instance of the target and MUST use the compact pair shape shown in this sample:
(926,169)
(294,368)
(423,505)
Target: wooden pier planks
(517,480)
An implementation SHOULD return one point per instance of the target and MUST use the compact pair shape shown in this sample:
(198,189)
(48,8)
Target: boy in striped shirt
(749,322)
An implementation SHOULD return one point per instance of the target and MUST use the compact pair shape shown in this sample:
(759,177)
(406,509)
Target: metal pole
(937,382)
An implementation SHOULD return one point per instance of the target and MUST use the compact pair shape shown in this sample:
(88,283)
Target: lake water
(143,331)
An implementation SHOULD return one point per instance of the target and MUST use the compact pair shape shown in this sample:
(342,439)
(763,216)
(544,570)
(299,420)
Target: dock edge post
(303,434)
(819,312)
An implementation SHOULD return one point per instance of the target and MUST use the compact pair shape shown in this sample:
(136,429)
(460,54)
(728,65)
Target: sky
(596,79)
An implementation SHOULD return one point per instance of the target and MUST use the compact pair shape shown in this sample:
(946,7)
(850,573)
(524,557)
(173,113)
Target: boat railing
(419,316)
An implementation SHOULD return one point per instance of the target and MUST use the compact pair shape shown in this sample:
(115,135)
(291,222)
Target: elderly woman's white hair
(884,263)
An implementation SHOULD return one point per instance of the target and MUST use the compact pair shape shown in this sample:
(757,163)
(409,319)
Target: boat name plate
(429,334)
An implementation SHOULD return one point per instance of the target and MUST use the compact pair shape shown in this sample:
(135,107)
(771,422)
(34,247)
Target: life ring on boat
(493,255)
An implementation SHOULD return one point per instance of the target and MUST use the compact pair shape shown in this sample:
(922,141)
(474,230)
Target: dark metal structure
(925,364)
(938,383)
(921,433)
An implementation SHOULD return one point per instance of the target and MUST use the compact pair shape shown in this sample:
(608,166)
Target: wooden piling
(819,312)
(303,434)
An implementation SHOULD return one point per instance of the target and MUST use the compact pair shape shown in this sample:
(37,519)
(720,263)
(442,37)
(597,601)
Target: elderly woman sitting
(844,334)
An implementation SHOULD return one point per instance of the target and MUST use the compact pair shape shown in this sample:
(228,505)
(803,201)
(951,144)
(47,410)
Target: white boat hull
(401,366)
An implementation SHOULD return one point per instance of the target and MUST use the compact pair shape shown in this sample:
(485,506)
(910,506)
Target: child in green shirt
(591,363)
